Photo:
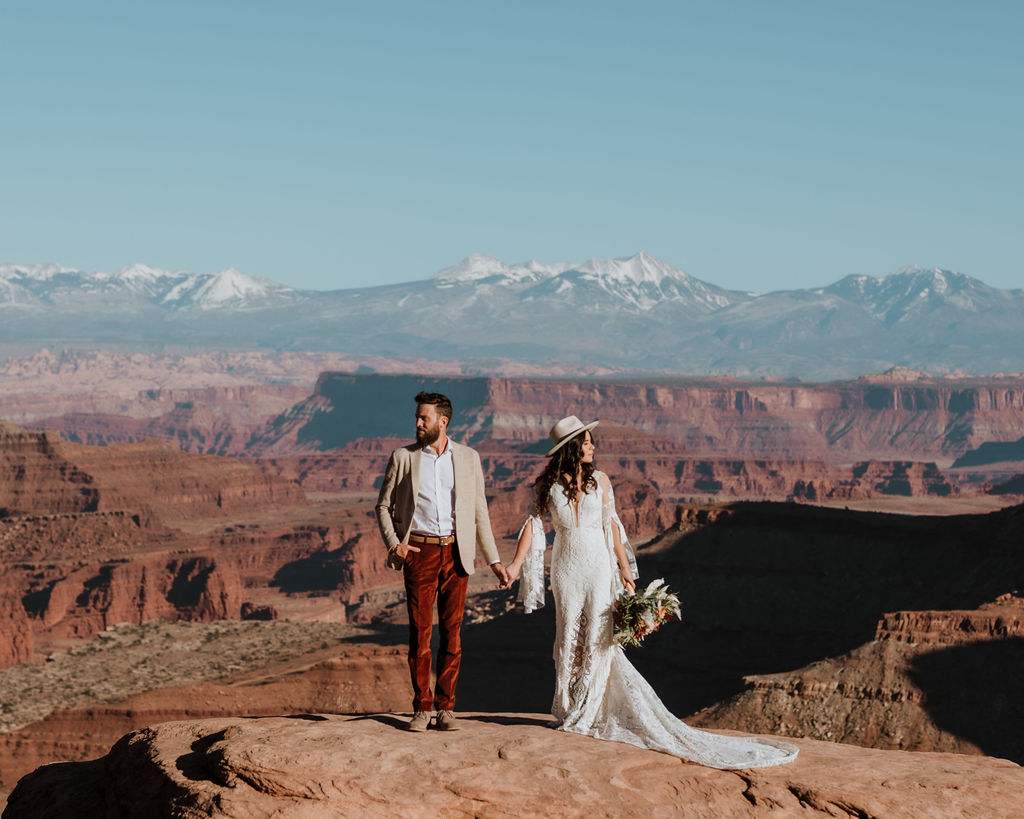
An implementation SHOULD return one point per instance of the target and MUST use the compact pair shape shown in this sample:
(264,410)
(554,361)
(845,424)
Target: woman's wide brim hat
(565,430)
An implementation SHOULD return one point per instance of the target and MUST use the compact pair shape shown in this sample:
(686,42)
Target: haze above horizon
(327,146)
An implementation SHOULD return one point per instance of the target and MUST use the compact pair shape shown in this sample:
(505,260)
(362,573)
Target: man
(433,514)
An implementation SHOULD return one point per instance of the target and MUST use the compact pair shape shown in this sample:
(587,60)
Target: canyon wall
(917,685)
(216,420)
(94,536)
(895,417)
(937,419)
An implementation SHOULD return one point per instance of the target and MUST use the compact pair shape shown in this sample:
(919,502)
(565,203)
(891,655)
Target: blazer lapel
(458,465)
(414,474)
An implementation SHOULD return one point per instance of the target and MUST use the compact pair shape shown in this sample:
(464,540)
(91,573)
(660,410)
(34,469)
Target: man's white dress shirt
(435,498)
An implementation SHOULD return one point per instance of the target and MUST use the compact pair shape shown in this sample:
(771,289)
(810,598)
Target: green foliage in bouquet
(643,613)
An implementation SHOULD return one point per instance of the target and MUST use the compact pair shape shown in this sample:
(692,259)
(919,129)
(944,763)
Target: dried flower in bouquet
(644,612)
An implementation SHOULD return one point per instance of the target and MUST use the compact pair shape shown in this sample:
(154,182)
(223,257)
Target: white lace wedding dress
(598,692)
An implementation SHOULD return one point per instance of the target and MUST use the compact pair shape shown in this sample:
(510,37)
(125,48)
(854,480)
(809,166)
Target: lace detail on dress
(579,659)
(597,690)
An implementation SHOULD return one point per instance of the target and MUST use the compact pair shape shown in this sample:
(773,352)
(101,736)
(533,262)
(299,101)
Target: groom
(432,514)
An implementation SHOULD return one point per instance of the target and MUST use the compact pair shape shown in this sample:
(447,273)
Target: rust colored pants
(435,572)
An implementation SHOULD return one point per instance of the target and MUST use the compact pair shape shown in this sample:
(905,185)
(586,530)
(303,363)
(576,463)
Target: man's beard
(427,436)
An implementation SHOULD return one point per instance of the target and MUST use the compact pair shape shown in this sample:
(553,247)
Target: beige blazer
(396,502)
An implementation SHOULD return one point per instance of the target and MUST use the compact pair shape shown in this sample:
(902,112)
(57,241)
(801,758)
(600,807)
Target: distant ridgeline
(637,314)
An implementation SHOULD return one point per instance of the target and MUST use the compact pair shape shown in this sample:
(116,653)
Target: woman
(597,690)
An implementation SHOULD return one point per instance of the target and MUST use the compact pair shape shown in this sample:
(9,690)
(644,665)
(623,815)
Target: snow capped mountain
(913,291)
(640,282)
(636,269)
(645,282)
(55,285)
(40,272)
(480,267)
(229,288)
(635,312)
(139,274)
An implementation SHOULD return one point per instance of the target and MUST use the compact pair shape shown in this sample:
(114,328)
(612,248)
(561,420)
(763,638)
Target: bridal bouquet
(644,612)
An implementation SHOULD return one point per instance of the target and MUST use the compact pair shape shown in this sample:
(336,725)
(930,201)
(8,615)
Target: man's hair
(442,402)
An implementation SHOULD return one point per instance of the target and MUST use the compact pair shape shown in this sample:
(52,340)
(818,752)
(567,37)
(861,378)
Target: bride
(597,690)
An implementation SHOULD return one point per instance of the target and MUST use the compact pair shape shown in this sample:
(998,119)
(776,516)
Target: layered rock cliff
(215,420)
(934,419)
(181,486)
(93,536)
(919,685)
(872,418)
(36,476)
(16,639)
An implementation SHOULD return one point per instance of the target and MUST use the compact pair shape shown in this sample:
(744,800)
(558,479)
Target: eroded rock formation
(91,536)
(919,685)
(16,638)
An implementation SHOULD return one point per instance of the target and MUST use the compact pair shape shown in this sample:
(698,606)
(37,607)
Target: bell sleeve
(531,578)
(612,522)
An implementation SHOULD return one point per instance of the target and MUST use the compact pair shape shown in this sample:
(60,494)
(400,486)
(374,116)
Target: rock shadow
(765,588)
(63,790)
(340,418)
(502,719)
(973,691)
(385,635)
(317,573)
(507,663)
(391,720)
(193,765)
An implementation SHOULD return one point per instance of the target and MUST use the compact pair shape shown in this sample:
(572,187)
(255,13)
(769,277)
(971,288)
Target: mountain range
(628,314)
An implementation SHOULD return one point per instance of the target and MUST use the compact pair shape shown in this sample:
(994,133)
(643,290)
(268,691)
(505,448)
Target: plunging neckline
(574,504)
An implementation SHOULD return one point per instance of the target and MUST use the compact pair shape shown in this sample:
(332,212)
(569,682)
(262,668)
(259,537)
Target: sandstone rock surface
(100,692)
(498,766)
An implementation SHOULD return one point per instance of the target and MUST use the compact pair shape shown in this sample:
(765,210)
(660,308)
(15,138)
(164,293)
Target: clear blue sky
(756,145)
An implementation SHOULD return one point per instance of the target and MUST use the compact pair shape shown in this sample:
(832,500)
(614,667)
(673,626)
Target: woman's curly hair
(566,461)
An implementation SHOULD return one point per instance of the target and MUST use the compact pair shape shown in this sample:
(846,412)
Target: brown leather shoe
(419,722)
(446,721)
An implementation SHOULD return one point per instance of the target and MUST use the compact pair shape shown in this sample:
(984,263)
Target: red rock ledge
(498,766)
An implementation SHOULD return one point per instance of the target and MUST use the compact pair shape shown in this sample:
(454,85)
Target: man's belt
(432,540)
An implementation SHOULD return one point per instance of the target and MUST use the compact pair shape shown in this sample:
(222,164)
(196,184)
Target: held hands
(502,574)
(511,574)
